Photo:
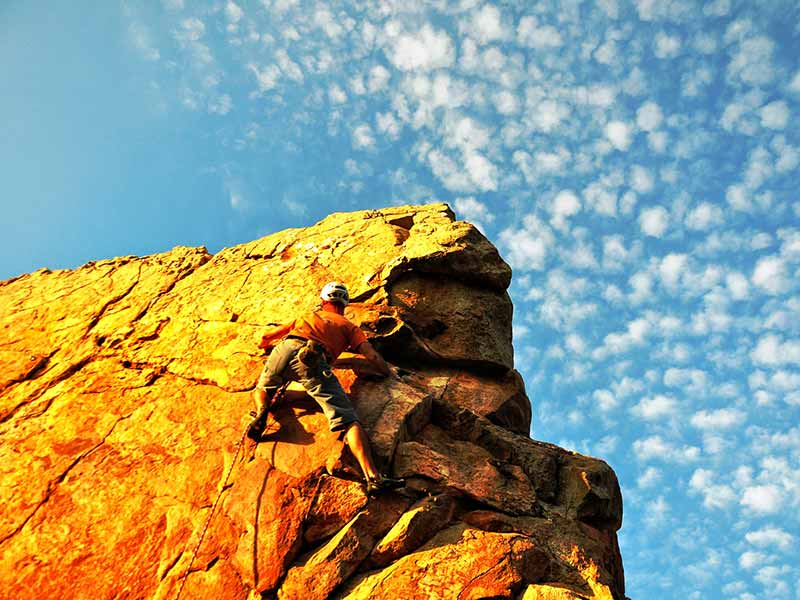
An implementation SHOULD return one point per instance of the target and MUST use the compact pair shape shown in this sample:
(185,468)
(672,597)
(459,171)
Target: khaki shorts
(320,383)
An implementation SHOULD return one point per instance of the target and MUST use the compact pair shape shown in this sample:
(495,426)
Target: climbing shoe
(256,428)
(383,484)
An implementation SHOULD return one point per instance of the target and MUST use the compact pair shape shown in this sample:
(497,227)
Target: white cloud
(143,42)
(610,7)
(763,499)
(627,386)
(221,105)
(794,86)
(642,284)
(694,83)
(290,68)
(641,179)
(485,25)
(717,8)
(597,95)
(267,77)
(672,267)
(667,46)
(751,63)
(770,275)
(527,248)
(482,173)
(575,343)
(738,285)
(655,407)
(362,137)
(770,536)
(615,255)
(751,560)
(658,10)
(772,578)
(649,116)
(506,102)
(773,351)
(333,26)
(530,34)
(617,343)
(635,83)
(378,79)
(656,513)
(607,53)
(552,162)
(601,197)
(295,207)
(693,381)
(649,478)
(654,221)
(233,12)
(761,241)
(759,168)
(619,134)
(423,50)
(738,198)
(703,216)
(448,171)
(723,418)
(465,133)
(606,445)
(790,246)
(580,256)
(191,30)
(739,114)
(788,157)
(389,125)
(473,210)
(775,115)
(336,94)
(548,114)
(605,400)
(715,496)
(566,204)
(655,447)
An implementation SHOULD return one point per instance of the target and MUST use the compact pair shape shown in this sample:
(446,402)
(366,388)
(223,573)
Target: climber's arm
(274,335)
(375,359)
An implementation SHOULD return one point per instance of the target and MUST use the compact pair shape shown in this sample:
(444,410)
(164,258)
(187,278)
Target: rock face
(125,389)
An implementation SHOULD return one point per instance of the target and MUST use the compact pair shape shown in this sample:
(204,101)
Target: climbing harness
(276,397)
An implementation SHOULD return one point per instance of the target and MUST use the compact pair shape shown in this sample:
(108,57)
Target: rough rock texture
(125,389)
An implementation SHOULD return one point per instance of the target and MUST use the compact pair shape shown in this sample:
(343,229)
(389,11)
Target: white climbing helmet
(335,292)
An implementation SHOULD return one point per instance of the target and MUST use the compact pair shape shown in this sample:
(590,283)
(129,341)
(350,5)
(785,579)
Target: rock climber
(308,347)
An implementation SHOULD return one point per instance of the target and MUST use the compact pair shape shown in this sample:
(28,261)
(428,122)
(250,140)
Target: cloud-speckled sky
(635,162)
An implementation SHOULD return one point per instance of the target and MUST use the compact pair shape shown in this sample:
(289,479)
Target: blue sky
(636,163)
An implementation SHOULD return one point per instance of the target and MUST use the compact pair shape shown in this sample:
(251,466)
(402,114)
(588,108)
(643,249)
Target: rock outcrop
(125,388)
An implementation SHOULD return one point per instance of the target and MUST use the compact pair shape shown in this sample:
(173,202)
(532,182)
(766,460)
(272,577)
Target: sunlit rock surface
(125,389)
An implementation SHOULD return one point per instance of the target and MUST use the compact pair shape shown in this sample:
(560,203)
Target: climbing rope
(276,397)
(211,514)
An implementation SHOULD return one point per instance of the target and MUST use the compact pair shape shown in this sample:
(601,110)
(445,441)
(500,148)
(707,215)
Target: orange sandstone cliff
(124,390)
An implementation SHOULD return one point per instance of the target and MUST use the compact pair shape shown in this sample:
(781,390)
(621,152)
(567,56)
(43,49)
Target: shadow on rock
(287,417)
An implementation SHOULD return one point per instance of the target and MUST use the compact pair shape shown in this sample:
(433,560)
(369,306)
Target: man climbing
(309,345)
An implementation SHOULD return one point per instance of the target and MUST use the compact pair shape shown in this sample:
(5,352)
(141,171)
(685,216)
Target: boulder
(459,562)
(418,524)
(124,398)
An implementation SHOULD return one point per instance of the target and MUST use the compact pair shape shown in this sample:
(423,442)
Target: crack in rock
(53,485)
